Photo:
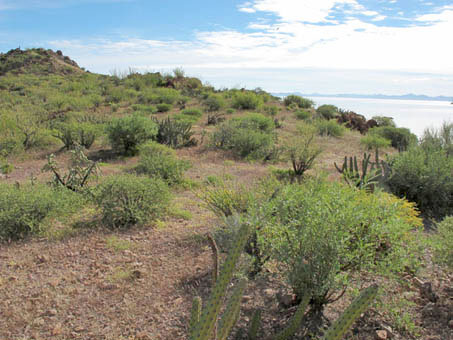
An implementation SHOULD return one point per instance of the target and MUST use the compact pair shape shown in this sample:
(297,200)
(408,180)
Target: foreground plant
(206,325)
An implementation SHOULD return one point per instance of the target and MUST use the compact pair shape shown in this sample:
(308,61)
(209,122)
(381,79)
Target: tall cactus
(363,178)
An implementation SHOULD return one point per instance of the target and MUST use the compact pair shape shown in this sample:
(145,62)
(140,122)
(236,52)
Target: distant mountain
(409,96)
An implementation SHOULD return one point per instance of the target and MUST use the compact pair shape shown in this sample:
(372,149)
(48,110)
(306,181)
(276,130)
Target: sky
(309,46)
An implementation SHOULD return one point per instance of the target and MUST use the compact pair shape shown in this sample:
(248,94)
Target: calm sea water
(413,114)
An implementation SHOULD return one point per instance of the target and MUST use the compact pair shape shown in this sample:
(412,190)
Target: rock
(450,324)
(381,334)
(246,298)
(270,293)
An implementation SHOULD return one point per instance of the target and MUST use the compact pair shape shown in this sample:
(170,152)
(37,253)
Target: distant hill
(409,96)
(37,61)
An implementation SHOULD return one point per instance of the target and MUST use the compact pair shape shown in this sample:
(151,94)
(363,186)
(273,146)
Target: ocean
(417,115)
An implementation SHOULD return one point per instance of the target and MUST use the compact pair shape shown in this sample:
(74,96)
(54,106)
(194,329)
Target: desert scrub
(302,114)
(75,133)
(163,107)
(127,133)
(23,209)
(321,232)
(327,111)
(246,100)
(192,112)
(157,160)
(214,102)
(127,200)
(443,242)
(400,138)
(329,128)
(298,101)
(374,142)
(251,136)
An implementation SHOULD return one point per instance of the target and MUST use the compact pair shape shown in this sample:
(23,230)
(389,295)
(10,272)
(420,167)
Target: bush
(192,112)
(439,140)
(373,142)
(302,153)
(384,121)
(23,209)
(327,111)
(302,114)
(330,128)
(401,138)
(425,178)
(443,242)
(148,109)
(127,200)
(163,107)
(214,102)
(321,232)
(73,133)
(158,160)
(299,101)
(246,100)
(127,133)
(175,133)
(250,136)
(271,110)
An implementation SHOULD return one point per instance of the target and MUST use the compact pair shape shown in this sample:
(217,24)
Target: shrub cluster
(299,101)
(400,138)
(327,111)
(329,128)
(246,100)
(443,242)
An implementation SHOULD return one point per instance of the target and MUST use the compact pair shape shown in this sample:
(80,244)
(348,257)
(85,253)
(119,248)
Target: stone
(381,334)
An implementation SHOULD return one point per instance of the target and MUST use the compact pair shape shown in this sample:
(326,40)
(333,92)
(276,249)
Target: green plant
(441,139)
(73,133)
(271,110)
(246,100)
(330,128)
(192,112)
(384,121)
(127,133)
(157,160)
(126,200)
(321,232)
(299,101)
(175,133)
(302,153)
(327,111)
(302,114)
(24,208)
(424,177)
(401,138)
(373,142)
(163,107)
(443,242)
(214,102)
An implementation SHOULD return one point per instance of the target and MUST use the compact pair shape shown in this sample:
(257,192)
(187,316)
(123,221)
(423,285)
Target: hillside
(110,184)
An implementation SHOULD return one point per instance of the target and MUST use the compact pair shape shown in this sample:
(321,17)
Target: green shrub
(23,209)
(438,139)
(302,114)
(373,142)
(246,100)
(192,112)
(127,200)
(330,128)
(127,133)
(175,133)
(157,160)
(148,109)
(443,242)
(250,136)
(384,121)
(230,111)
(302,152)
(163,107)
(73,133)
(327,111)
(214,102)
(271,110)
(301,102)
(423,177)
(401,138)
(321,232)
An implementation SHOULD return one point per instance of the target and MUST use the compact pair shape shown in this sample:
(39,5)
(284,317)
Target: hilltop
(37,61)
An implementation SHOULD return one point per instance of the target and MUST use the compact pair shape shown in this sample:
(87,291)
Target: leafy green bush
(401,138)
(329,128)
(299,101)
(373,142)
(250,136)
(127,133)
(73,133)
(302,152)
(148,109)
(126,200)
(423,177)
(271,110)
(157,160)
(192,112)
(438,139)
(321,232)
(384,121)
(163,107)
(23,209)
(246,100)
(214,102)
(443,242)
(302,114)
(327,111)
(175,133)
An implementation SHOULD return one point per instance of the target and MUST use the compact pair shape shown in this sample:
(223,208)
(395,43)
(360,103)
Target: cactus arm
(208,319)
(195,314)
(255,325)
(357,307)
(296,320)
(232,311)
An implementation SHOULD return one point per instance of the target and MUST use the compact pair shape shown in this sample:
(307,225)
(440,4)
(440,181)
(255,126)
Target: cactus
(357,307)
(296,320)
(255,325)
(364,179)
(208,321)
(195,314)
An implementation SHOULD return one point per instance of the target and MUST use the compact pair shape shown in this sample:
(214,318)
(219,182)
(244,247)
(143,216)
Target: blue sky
(327,46)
